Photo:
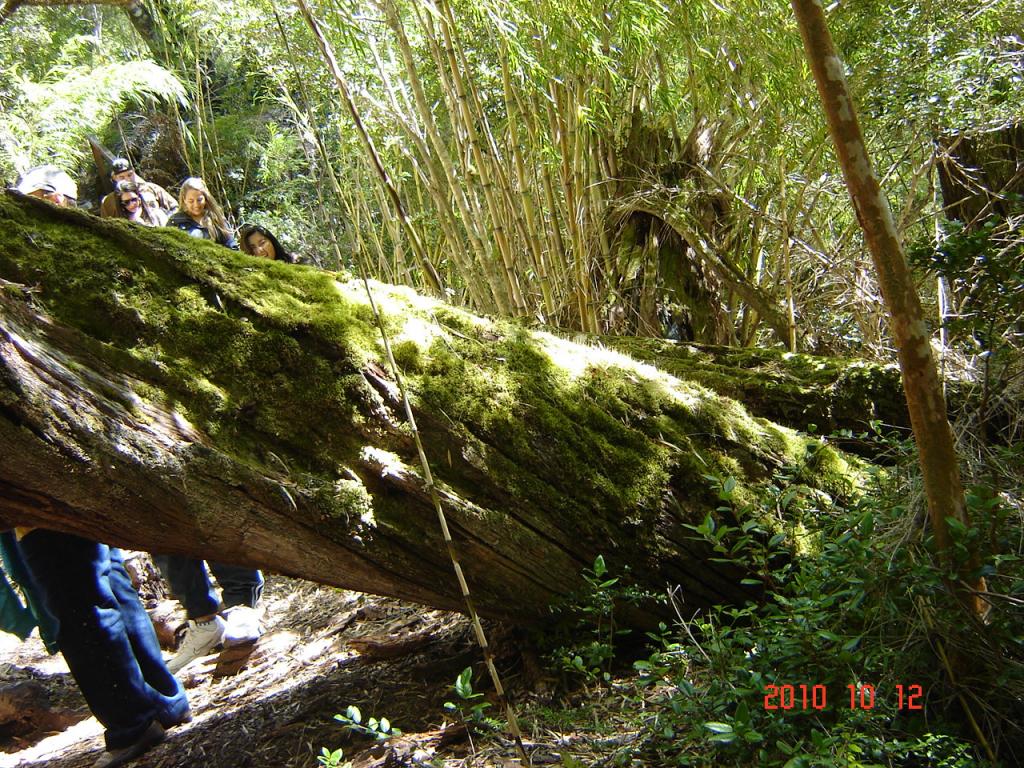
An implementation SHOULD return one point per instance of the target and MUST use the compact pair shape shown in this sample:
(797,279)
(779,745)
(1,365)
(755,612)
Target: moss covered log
(171,395)
(806,392)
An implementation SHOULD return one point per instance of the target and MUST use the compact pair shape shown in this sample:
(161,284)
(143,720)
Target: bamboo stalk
(525,191)
(199,104)
(512,210)
(463,202)
(558,255)
(469,122)
(356,221)
(438,179)
(597,202)
(309,127)
(565,131)
(429,272)
(787,266)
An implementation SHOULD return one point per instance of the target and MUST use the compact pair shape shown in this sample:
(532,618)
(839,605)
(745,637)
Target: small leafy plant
(593,632)
(470,707)
(332,759)
(864,608)
(378,729)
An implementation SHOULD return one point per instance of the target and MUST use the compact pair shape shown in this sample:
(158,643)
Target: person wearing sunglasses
(132,205)
(155,196)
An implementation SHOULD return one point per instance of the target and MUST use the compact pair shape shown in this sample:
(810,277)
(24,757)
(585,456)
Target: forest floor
(324,649)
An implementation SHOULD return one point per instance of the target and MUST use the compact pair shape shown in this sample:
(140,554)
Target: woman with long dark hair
(132,205)
(200,215)
(257,240)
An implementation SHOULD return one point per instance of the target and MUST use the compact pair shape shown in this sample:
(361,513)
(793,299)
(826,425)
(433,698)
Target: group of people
(195,212)
(81,589)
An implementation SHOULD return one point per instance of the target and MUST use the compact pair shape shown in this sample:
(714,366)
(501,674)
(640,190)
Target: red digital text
(803,697)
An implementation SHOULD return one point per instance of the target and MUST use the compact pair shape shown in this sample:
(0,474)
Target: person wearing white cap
(49,182)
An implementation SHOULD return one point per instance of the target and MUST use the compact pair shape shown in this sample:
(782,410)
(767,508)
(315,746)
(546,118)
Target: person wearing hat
(154,196)
(48,182)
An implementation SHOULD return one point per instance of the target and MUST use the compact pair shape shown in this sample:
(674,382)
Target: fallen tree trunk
(806,392)
(171,395)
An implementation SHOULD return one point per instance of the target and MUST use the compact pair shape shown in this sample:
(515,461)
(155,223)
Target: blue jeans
(191,585)
(105,634)
(14,565)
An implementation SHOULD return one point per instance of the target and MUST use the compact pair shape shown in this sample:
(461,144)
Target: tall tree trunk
(927,405)
(172,395)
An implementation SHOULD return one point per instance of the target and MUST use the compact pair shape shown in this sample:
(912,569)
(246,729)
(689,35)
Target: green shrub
(868,607)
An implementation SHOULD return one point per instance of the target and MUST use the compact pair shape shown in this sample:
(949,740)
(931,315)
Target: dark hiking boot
(112,758)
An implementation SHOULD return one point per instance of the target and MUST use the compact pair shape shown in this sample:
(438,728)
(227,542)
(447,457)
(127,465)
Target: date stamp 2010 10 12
(859,696)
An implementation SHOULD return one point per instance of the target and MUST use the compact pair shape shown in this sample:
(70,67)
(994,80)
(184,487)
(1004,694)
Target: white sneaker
(201,637)
(242,625)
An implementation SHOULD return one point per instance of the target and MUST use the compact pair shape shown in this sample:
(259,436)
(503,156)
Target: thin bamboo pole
(512,209)
(469,123)
(531,235)
(430,274)
(393,229)
(470,218)
(400,380)
(309,127)
(595,186)
(200,105)
(434,177)
(557,252)
(562,122)
(787,266)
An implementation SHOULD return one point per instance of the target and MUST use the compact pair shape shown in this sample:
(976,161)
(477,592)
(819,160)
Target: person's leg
(190,584)
(240,589)
(14,563)
(75,578)
(145,645)
(238,585)
(15,618)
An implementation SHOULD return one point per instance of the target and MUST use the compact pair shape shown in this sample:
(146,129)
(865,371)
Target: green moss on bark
(794,389)
(582,442)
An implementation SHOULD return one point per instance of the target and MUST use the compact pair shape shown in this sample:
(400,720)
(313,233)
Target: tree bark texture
(170,395)
(925,400)
(978,171)
(806,392)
